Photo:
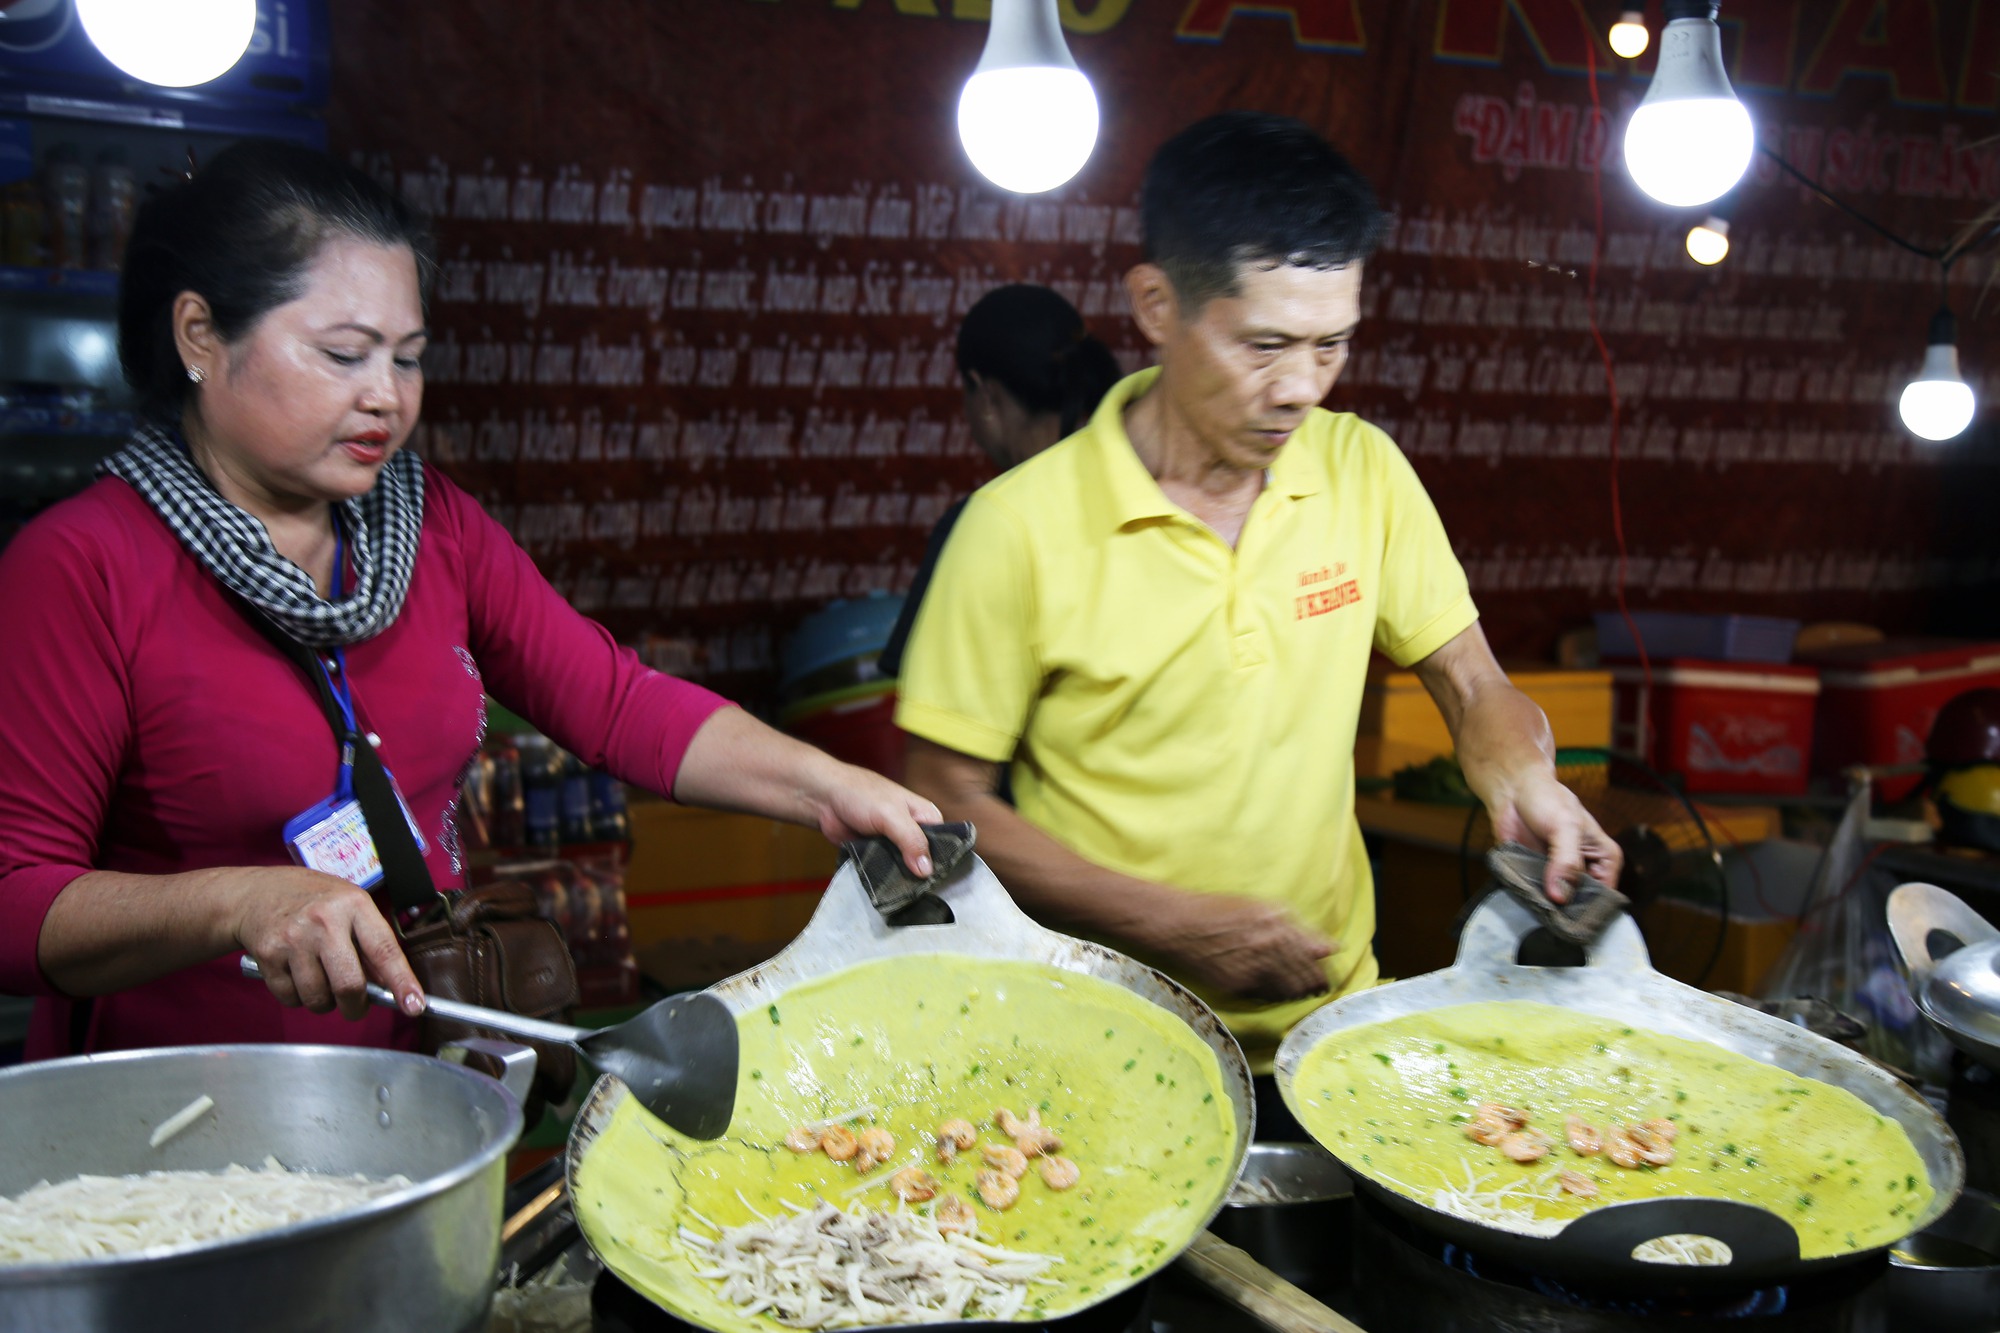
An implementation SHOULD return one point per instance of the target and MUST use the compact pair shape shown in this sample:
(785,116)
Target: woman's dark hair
(1245,187)
(241,232)
(1035,344)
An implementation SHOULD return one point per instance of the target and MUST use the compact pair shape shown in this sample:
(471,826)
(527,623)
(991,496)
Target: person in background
(156,744)
(1032,375)
(1163,624)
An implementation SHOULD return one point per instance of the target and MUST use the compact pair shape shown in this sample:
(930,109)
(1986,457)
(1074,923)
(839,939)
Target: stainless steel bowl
(422,1259)
(1279,1174)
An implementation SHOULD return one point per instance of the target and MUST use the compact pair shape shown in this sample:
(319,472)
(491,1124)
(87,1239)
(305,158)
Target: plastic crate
(1878,701)
(1720,726)
(1670,634)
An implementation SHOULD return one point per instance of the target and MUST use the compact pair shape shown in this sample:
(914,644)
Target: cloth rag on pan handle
(1592,906)
(890,885)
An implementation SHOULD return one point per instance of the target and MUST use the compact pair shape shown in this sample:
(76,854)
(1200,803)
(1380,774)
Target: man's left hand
(1543,814)
(1508,754)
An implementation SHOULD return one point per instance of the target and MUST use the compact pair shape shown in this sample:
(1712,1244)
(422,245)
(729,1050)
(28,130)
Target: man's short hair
(1248,188)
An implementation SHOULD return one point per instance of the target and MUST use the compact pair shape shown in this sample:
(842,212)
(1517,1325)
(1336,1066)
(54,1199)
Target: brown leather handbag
(485,946)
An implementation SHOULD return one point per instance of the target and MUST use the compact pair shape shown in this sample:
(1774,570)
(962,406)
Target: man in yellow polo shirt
(1163,623)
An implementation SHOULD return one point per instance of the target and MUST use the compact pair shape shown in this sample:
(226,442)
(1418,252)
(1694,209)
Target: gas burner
(1752,1304)
(1972,1109)
(616,1308)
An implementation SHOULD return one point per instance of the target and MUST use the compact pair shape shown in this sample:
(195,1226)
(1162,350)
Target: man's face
(1244,369)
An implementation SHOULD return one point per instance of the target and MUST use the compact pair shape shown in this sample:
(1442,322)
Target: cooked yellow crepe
(1136,1096)
(1393,1099)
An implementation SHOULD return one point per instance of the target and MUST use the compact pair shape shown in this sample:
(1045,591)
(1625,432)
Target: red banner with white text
(704,260)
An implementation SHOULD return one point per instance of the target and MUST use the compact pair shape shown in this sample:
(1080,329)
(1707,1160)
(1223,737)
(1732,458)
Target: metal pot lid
(1964,991)
(1953,957)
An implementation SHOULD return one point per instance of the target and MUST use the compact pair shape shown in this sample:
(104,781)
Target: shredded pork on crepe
(823,1268)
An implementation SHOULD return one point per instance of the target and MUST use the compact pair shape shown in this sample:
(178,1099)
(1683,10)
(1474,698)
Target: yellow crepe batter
(1136,1096)
(1393,1099)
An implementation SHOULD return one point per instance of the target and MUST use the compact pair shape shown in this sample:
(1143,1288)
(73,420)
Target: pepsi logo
(34,25)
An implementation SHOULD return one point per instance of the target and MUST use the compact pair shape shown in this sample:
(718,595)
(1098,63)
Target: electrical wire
(1721,890)
(1610,375)
(1943,256)
(1935,256)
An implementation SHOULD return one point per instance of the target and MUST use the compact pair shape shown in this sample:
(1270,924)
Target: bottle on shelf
(26,225)
(113,198)
(574,807)
(509,821)
(609,819)
(66,192)
(541,791)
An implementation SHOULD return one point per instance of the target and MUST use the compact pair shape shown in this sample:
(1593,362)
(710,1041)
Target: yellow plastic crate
(711,893)
(1400,725)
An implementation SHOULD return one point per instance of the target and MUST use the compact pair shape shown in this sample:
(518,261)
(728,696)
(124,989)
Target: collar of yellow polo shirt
(1177,710)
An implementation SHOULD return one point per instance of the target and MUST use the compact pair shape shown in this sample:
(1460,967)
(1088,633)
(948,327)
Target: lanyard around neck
(336,680)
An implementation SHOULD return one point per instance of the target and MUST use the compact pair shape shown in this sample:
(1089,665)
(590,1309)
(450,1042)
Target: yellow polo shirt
(1174,709)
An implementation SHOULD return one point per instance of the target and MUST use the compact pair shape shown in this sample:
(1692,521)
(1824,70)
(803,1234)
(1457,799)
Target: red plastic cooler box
(1720,726)
(1878,700)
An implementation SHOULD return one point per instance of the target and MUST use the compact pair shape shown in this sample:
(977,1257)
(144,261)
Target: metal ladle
(677,1057)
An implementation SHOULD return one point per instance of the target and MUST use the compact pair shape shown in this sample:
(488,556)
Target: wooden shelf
(1442,827)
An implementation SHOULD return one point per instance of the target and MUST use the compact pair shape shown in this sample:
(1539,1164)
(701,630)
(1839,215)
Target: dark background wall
(704,260)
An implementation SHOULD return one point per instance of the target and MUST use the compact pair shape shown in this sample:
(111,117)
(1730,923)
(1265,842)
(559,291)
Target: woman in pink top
(156,744)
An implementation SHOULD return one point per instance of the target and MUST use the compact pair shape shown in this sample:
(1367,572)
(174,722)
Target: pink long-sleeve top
(147,727)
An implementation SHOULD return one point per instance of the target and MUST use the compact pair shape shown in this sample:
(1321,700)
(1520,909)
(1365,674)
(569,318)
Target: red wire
(1611,377)
(1853,882)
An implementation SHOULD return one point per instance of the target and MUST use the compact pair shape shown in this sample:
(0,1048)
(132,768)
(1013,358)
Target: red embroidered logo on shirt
(1328,591)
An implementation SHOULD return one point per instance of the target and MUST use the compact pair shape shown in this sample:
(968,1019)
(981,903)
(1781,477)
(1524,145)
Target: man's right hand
(320,941)
(1244,947)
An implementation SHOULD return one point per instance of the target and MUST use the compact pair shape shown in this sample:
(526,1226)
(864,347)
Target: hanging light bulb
(1708,240)
(173,43)
(1690,139)
(1938,403)
(1027,117)
(1629,37)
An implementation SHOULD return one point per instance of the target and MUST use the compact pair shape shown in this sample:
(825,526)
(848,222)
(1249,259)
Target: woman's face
(321,392)
(1003,429)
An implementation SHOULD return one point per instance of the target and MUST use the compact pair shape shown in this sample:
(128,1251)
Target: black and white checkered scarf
(381,528)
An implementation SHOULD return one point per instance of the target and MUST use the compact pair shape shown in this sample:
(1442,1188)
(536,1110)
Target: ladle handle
(535,1029)
(1256,1290)
(1917,911)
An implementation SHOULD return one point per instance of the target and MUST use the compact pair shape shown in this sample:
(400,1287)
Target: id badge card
(332,837)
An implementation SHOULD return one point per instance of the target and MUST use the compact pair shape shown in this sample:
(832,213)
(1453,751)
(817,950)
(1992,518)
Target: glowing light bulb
(1629,37)
(173,43)
(1690,139)
(1027,116)
(1938,403)
(1708,240)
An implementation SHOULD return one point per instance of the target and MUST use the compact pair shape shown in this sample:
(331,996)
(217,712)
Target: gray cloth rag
(1591,907)
(891,886)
